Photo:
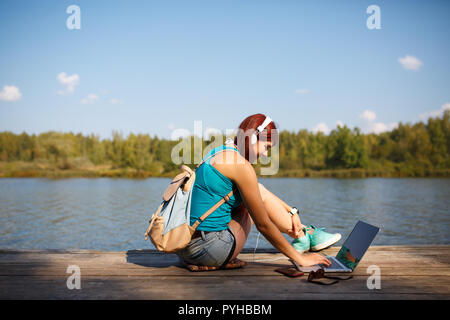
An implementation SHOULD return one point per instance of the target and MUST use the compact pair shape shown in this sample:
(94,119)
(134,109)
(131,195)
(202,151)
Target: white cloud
(10,93)
(371,126)
(339,123)
(115,101)
(179,133)
(68,82)
(435,113)
(302,91)
(410,63)
(379,127)
(368,115)
(392,125)
(90,99)
(321,127)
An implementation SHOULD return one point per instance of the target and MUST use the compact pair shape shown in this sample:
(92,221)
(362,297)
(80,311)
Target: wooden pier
(407,272)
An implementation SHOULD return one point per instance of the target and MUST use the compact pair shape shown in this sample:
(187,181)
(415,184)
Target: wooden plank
(121,263)
(129,256)
(158,261)
(408,272)
(405,248)
(429,260)
(214,287)
(250,270)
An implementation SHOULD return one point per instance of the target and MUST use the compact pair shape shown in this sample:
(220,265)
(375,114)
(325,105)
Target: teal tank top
(209,188)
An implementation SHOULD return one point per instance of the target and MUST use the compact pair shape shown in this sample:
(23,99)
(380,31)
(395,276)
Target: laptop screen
(357,244)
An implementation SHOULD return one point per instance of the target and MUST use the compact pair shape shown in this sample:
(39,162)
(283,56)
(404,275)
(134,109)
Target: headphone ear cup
(254,139)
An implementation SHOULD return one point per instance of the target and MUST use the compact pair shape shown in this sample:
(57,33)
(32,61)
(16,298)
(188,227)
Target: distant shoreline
(12,171)
(410,150)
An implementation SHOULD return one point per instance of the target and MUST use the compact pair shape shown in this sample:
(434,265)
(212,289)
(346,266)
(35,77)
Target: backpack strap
(212,155)
(225,198)
(187,172)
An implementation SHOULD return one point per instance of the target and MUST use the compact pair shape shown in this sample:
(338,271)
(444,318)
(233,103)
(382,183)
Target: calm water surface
(112,214)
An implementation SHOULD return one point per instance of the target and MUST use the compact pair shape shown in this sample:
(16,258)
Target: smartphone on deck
(290,272)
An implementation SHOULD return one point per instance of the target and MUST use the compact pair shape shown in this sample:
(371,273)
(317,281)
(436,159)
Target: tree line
(419,149)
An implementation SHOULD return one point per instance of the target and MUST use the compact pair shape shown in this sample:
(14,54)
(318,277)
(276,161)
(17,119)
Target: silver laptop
(352,251)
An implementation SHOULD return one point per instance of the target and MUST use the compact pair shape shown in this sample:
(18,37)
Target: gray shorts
(211,249)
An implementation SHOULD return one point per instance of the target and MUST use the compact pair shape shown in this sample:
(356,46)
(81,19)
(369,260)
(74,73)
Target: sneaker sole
(328,243)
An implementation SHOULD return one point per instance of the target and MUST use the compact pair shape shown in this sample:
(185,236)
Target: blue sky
(153,66)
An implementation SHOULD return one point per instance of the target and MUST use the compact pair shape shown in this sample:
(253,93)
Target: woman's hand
(310,259)
(243,174)
(296,227)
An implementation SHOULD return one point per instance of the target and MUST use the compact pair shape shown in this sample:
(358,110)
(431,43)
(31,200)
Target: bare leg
(241,222)
(241,225)
(278,210)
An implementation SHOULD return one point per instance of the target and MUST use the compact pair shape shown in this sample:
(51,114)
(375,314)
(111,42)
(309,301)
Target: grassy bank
(363,173)
(22,169)
(409,150)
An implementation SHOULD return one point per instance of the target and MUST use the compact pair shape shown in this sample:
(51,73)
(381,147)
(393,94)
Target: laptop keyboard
(334,264)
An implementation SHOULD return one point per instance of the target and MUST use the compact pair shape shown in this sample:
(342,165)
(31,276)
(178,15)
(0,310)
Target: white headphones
(260,129)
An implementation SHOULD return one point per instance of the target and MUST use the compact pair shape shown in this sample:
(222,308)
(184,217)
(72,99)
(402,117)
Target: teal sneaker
(302,244)
(320,239)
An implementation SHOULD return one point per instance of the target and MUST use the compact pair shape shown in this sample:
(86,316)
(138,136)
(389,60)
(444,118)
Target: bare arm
(244,176)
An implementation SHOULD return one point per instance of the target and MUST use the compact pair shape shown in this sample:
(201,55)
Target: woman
(222,235)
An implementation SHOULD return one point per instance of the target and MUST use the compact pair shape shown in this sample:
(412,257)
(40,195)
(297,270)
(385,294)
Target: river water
(112,214)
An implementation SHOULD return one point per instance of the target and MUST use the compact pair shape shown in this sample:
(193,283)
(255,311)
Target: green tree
(346,149)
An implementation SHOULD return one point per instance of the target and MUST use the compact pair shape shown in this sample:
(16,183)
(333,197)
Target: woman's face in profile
(260,148)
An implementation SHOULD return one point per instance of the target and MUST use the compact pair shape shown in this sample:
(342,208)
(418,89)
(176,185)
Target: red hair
(249,126)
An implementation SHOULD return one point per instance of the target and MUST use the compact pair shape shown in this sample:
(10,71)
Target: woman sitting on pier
(220,237)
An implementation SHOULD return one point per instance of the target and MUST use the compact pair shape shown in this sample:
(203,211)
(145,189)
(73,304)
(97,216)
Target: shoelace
(315,229)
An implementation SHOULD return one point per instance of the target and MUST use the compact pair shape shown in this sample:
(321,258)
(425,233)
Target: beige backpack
(169,227)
